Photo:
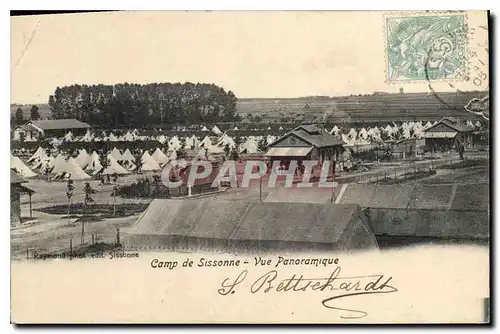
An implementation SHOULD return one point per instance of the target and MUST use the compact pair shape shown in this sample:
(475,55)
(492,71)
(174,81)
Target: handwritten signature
(348,287)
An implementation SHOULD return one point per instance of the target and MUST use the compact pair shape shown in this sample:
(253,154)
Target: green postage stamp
(426,47)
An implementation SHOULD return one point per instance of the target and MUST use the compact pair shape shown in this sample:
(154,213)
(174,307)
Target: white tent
(478,124)
(204,128)
(45,165)
(280,128)
(88,137)
(374,134)
(55,142)
(235,128)
(94,165)
(352,133)
(83,158)
(427,125)
(59,164)
(37,163)
(112,137)
(216,130)
(128,160)
(270,139)
(250,146)
(72,171)
(348,140)
(148,163)
(192,142)
(39,154)
(116,154)
(160,157)
(215,149)
(394,129)
(335,131)
(162,139)
(128,156)
(363,133)
(18,165)
(174,143)
(129,136)
(226,140)
(68,136)
(206,142)
(114,167)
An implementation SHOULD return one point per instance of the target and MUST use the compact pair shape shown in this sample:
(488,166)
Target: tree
(22,137)
(35,114)
(88,190)
(19,116)
(114,192)
(138,105)
(69,193)
(384,136)
(227,150)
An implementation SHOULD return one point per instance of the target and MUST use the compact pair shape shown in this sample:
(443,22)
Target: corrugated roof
(283,194)
(60,124)
(245,220)
(322,139)
(313,135)
(453,123)
(473,197)
(323,223)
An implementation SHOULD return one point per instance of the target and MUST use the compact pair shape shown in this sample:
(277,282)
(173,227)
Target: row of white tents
(85,165)
(351,136)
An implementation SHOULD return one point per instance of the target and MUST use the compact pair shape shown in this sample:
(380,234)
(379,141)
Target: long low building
(50,127)
(245,226)
(410,212)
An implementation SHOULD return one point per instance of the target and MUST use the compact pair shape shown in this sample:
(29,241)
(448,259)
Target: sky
(253,54)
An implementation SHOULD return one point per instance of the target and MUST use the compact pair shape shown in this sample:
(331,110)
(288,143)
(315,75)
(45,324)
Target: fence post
(93,239)
(117,236)
(83,232)
(27,253)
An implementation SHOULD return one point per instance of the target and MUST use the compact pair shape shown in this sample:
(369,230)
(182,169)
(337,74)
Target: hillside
(366,108)
(345,109)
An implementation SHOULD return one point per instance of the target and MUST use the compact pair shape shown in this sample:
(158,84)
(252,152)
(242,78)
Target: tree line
(134,105)
(19,119)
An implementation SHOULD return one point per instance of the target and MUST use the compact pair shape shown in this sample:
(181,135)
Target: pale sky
(253,54)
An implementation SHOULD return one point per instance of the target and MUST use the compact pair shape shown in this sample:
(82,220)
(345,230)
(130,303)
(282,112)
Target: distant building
(446,134)
(407,148)
(50,128)
(306,142)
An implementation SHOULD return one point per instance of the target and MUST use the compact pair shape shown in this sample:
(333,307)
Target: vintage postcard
(250,167)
